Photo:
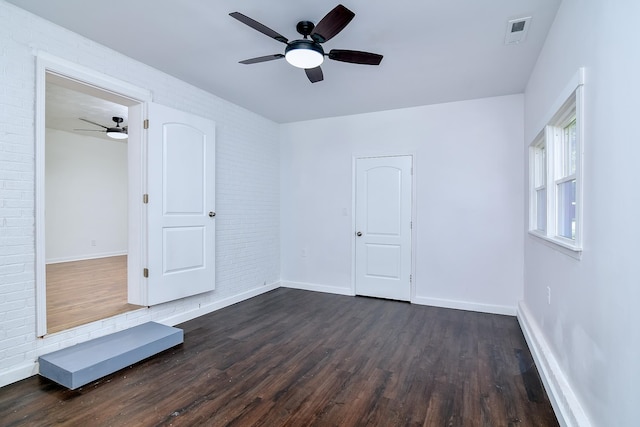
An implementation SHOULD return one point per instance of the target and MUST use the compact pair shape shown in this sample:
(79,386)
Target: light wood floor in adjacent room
(301,358)
(80,292)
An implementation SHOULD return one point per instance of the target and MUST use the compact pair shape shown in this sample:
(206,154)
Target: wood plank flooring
(81,292)
(299,358)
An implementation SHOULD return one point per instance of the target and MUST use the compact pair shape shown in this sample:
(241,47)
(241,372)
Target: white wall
(247,186)
(276,199)
(587,338)
(469,190)
(86,196)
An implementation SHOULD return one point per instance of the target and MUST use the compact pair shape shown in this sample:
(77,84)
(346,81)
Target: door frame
(107,87)
(414,227)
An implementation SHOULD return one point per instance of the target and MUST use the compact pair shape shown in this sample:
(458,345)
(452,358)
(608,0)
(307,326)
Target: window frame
(538,167)
(552,138)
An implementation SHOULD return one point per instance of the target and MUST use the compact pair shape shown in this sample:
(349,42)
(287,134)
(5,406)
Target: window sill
(561,245)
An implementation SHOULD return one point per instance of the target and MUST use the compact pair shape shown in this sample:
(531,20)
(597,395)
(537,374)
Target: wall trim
(85,257)
(217,305)
(564,401)
(465,305)
(319,288)
(435,302)
(73,75)
(19,373)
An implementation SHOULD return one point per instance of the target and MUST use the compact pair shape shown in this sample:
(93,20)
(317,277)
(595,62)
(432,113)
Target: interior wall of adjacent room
(590,326)
(247,187)
(469,190)
(86,197)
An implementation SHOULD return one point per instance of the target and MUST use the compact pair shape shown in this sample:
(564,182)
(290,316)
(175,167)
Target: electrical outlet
(93,243)
(303,253)
(265,283)
(548,294)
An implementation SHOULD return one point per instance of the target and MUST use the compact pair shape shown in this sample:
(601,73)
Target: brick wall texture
(247,187)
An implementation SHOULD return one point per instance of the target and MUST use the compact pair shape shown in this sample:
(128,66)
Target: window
(540,186)
(566,181)
(555,159)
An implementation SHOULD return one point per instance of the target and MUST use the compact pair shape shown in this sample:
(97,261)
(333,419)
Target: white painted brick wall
(247,185)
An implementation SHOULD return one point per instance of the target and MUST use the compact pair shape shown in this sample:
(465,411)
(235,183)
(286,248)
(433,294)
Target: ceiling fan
(307,53)
(116,132)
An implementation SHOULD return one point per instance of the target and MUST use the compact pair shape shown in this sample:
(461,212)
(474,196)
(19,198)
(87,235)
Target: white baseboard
(564,401)
(465,305)
(436,302)
(84,257)
(19,373)
(318,288)
(208,308)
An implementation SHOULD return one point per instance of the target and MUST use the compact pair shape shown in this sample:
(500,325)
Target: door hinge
(145,272)
(411,225)
(145,198)
(410,278)
(145,124)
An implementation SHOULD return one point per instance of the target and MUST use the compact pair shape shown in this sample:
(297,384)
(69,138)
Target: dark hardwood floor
(299,358)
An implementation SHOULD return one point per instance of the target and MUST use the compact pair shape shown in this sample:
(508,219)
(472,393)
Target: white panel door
(180,209)
(383,227)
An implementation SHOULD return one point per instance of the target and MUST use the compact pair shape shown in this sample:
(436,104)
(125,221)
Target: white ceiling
(65,107)
(434,50)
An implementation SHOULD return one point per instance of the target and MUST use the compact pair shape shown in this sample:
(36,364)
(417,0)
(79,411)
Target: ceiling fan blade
(93,123)
(91,130)
(258,26)
(314,74)
(355,56)
(262,59)
(332,23)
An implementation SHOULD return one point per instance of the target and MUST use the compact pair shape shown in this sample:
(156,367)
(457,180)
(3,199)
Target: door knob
(212,214)
(359,233)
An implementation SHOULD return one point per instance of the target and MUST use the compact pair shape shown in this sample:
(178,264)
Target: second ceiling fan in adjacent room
(116,132)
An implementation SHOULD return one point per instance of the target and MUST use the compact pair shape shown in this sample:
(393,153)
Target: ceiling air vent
(517,30)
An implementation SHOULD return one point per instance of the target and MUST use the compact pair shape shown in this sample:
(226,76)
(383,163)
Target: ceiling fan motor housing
(117,132)
(304,44)
(305,28)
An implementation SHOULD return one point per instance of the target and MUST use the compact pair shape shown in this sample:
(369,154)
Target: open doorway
(86,214)
(88,187)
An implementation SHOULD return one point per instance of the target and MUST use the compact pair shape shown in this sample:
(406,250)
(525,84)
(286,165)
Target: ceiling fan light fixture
(117,133)
(304,54)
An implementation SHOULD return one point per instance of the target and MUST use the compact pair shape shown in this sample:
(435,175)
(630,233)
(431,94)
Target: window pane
(569,149)
(541,209)
(540,167)
(567,209)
